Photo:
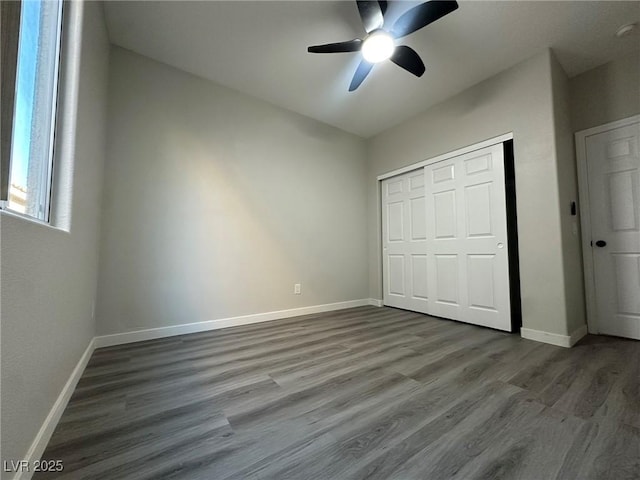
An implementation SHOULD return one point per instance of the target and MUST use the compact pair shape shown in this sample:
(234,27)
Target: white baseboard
(151,333)
(44,434)
(375,302)
(554,338)
(577,334)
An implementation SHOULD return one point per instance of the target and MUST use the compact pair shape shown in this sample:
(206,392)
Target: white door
(404,270)
(453,262)
(467,222)
(613,164)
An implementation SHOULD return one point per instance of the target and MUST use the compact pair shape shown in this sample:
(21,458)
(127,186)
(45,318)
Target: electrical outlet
(297,289)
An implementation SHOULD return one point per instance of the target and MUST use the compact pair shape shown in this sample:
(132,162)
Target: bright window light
(378,47)
(35,108)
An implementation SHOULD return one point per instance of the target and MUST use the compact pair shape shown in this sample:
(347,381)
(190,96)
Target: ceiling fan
(380,42)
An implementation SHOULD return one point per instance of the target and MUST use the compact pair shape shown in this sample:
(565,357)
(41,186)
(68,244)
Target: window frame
(45,184)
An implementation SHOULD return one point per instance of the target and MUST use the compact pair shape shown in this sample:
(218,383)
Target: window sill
(11,214)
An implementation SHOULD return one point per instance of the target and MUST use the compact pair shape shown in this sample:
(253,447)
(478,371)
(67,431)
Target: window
(34,108)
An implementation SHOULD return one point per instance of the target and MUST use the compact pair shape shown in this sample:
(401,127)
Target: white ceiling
(260,48)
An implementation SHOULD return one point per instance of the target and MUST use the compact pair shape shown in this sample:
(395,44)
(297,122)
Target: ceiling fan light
(378,47)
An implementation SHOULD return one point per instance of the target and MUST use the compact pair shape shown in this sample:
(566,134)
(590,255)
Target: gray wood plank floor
(368,392)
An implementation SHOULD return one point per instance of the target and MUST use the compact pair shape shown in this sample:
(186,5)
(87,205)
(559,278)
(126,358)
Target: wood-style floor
(368,392)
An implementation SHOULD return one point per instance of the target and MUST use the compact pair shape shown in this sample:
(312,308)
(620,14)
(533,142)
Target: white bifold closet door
(444,229)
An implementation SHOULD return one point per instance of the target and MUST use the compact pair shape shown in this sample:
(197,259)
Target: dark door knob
(601,243)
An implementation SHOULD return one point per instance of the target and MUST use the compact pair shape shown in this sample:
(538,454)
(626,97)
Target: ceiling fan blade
(383,6)
(361,73)
(371,15)
(407,58)
(421,16)
(349,46)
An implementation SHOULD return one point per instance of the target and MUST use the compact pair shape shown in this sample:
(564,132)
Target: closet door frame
(506,141)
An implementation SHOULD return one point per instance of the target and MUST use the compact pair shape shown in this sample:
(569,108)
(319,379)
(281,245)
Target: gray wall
(216,203)
(568,192)
(48,274)
(519,100)
(607,93)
